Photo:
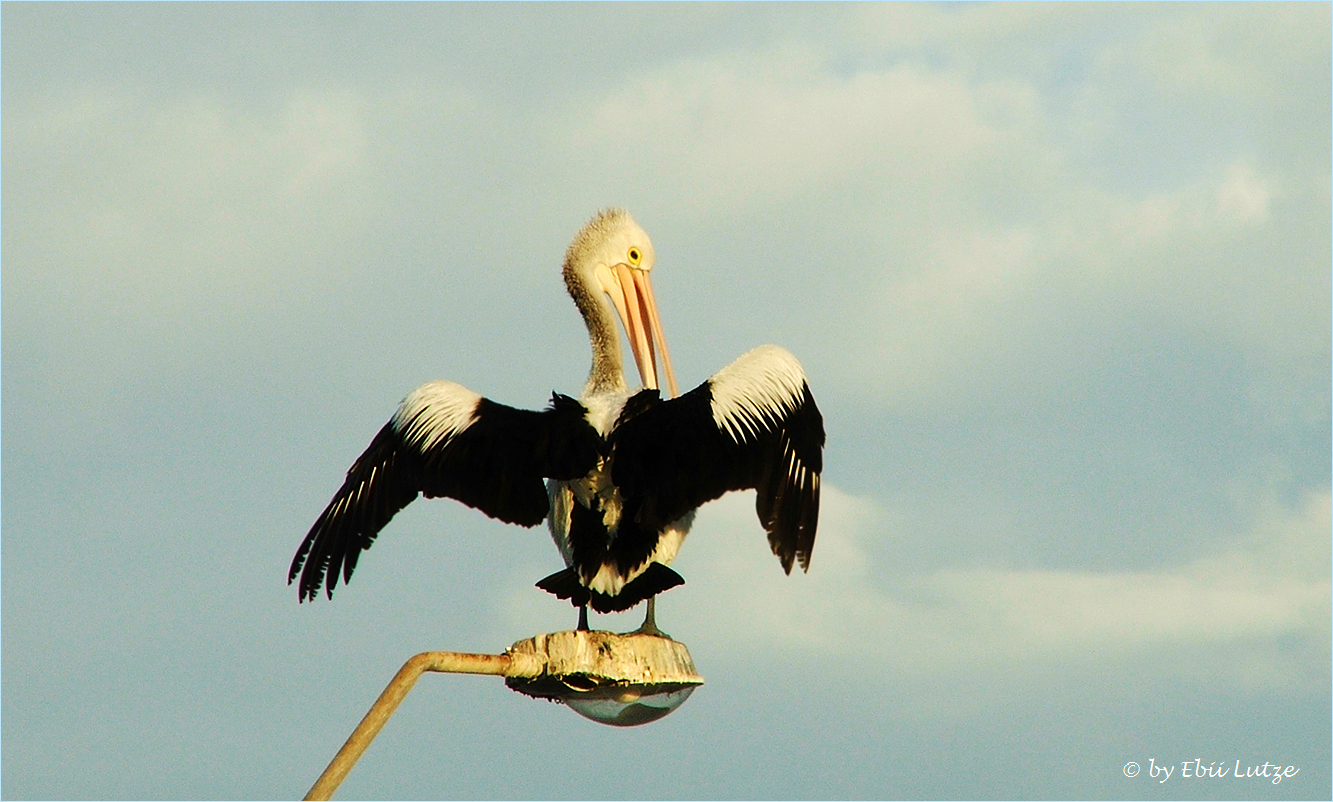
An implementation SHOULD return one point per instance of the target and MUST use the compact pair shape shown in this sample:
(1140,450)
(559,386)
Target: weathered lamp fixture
(621,680)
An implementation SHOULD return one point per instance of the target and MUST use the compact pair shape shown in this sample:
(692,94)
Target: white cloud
(945,316)
(752,129)
(1233,200)
(972,305)
(1243,196)
(168,209)
(168,233)
(1242,53)
(1264,586)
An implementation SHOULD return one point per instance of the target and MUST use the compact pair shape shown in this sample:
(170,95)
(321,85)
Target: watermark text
(1214,770)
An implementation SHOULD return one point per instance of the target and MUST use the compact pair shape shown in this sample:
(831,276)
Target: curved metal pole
(402,682)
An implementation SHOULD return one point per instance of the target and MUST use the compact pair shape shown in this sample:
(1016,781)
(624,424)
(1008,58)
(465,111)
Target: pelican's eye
(634,256)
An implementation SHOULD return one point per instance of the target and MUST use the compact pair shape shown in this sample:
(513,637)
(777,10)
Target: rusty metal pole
(402,682)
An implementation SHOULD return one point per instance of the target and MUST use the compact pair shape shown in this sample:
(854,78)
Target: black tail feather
(565,585)
(655,579)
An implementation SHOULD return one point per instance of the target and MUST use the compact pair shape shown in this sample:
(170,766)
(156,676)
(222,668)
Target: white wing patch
(754,392)
(435,412)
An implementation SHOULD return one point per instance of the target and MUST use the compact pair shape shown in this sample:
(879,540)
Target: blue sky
(1059,275)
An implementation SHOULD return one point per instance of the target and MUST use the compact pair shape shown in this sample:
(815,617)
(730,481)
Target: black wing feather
(670,457)
(788,505)
(495,464)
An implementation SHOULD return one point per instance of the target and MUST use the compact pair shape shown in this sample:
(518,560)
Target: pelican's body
(618,473)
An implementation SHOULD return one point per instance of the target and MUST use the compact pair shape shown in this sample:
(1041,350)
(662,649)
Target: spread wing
(446,440)
(754,424)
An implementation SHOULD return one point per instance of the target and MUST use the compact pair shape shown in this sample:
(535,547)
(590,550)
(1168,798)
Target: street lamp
(621,680)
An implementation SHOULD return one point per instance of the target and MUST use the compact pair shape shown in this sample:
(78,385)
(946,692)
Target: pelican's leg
(583,618)
(649,626)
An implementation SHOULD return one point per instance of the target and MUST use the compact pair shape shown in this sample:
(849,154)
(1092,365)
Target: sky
(1059,276)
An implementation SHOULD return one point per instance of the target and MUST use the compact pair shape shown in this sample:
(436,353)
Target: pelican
(617,473)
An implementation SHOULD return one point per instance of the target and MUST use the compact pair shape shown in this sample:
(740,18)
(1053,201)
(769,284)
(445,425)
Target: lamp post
(621,680)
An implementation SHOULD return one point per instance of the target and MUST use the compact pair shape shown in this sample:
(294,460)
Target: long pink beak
(643,327)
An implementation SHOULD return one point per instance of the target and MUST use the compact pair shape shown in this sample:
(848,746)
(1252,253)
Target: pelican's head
(613,256)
